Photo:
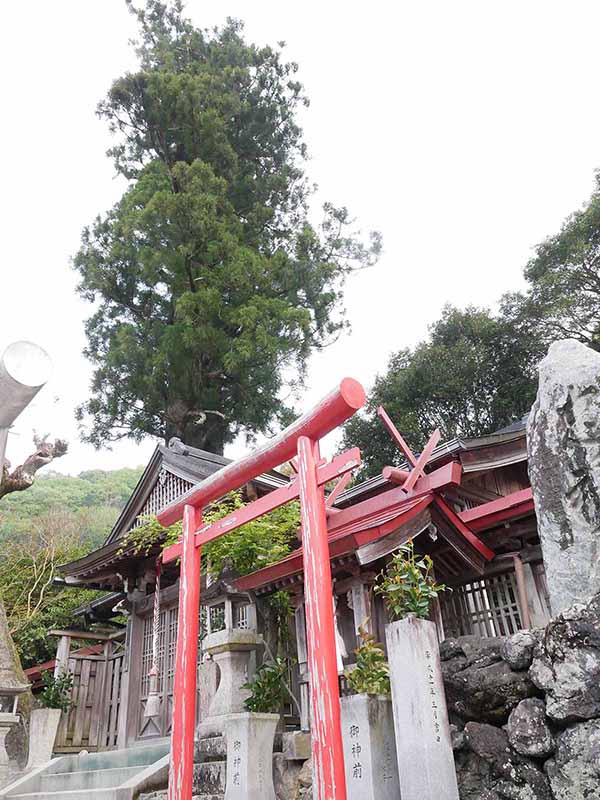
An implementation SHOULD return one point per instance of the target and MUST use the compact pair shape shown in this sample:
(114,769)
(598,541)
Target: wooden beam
(332,411)
(396,436)
(394,475)
(89,635)
(463,529)
(329,781)
(495,512)
(448,475)
(181,766)
(419,468)
(338,489)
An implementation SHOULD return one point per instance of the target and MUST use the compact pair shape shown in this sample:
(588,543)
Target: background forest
(58,519)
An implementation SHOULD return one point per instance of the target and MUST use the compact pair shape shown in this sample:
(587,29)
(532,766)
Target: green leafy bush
(407,584)
(267,687)
(256,544)
(57,691)
(371,675)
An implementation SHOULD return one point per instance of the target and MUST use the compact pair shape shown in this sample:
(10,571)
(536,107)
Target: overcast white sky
(465,131)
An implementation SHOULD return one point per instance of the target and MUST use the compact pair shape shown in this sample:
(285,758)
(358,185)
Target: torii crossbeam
(301,440)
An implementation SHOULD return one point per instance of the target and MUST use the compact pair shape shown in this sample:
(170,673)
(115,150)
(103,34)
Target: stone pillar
(423,742)
(369,748)
(250,756)
(5,768)
(359,600)
(207,686)
(43,729)
(4,731)
(563,434)
(302,651)
(230,651)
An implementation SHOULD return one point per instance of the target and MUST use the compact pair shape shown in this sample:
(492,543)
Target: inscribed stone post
(423,743)
(563,439)
(250,756)
(369,748)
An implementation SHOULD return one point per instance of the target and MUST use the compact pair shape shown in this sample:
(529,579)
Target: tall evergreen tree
(211,284)
(475,374)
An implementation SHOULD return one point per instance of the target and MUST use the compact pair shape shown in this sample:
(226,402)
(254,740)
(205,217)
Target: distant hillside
(93,498)
(58,519)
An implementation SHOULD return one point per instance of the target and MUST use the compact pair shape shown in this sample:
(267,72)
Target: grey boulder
(574,773)
(528,730)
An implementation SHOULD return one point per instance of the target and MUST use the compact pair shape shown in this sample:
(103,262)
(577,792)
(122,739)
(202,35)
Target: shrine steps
(209,783)
(110,775)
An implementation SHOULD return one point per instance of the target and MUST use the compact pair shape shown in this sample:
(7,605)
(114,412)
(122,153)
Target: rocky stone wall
(525,710)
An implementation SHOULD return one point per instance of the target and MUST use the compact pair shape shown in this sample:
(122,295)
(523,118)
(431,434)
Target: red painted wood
(496,511)
(463,529)
(418,471)
(340,543)
(339,466)
(329,781)
(394,475)
(338,489)
(396,436)
(441,478)
(334,409)
(181,768)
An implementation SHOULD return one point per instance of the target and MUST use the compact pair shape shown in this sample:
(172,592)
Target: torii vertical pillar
(329,780)
(181,770)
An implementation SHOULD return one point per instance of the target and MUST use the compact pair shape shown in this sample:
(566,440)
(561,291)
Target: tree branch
(22,477)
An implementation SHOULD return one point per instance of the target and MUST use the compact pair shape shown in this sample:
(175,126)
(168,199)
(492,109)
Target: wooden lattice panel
(485,607)
(168,488)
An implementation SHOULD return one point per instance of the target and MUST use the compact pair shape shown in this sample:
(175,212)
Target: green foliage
(407,584)
(282,610)
(209,280)
(371,675)
(148,534)
(475,374)
(256,544)
(92,500)
(57,691)
(59,519)
(267,687)
(564,282)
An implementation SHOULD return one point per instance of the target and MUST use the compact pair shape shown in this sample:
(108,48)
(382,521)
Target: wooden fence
(93,720)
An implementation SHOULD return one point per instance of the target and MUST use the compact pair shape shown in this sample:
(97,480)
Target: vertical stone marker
(423,742)
(250,756)
(369,748)
(563,439)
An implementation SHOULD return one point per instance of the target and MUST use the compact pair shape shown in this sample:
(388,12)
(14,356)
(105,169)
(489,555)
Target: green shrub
(267,687)
(371,675)
(57,691)
(407,584)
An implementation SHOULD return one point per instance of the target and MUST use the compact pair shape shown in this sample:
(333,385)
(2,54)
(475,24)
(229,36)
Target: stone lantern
(231,642)
(10,689)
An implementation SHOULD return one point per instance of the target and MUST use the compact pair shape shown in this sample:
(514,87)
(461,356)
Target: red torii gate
(300,439)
